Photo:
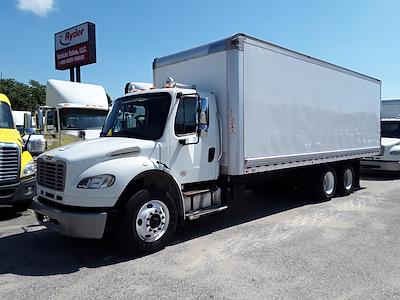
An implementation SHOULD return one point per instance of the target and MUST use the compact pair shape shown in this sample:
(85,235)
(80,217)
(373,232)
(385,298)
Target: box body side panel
(295,110)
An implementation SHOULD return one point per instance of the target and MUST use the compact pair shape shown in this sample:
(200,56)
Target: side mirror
(27,121)
(30,131)
(50,121)
(202,127)
(39,119)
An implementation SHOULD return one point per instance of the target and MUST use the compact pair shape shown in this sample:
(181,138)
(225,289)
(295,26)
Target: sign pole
(71,74)
(78,73)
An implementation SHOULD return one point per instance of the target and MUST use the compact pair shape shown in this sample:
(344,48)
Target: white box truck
(73,111)
(250,111)
(389,158)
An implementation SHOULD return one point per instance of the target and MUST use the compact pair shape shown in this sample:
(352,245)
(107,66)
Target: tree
(23,96)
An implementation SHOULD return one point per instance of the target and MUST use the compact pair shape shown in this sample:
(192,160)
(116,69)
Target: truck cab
(19,117)
(68,123)
(389,158)
(17,168)
(166,138)
(73,112)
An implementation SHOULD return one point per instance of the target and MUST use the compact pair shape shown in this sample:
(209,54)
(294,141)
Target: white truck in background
(19,119)
(35,141)
(251,111)
(389,158)
(73,112)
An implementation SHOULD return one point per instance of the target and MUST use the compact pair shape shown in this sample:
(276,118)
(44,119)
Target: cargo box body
(279,109)
(75,93)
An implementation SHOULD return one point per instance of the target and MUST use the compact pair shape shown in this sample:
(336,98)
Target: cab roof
(4,98)
(171,91)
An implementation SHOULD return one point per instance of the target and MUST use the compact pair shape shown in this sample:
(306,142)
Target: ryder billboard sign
(75,46)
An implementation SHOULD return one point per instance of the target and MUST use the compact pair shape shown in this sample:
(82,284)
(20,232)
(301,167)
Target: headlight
(394,152)
(97,182)
(29,169)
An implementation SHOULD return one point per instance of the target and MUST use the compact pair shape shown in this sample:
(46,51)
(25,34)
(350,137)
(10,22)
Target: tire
(324,184)
(346,180)
(146,223)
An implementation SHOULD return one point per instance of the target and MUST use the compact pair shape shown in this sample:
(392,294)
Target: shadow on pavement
(379,176)
(8,213)
(43,252)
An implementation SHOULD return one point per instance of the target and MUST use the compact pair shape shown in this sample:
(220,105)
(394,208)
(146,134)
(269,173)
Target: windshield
(6,120)
(390,129)
(141,116)
(81,119)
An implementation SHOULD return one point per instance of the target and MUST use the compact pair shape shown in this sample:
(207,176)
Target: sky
(361,35)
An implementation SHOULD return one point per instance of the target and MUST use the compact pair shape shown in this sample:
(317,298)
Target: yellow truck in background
(17,168)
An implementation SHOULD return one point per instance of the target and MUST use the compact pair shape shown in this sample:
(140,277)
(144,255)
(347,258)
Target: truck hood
(10,136)
(388,142)
(101,149)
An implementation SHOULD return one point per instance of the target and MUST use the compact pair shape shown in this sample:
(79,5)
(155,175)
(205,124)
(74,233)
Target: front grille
(9,163)
(51,174)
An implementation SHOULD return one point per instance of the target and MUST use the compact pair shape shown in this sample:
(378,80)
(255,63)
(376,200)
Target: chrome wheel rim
(152,220)
(348,179)
(329,183)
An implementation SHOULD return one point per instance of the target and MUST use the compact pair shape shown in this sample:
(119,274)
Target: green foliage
(23,96)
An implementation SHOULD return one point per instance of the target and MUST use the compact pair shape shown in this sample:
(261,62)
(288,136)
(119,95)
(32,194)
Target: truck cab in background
(73,112)
(389,158)
(35,143)
(17,168)
(19,118)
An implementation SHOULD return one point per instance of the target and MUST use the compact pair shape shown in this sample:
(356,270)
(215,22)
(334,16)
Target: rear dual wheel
(346,180)
(324,184)
(327,183)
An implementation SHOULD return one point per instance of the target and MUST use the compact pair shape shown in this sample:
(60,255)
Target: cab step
(193,215)
(196,192)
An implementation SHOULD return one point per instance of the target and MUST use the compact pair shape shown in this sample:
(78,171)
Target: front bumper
(380,165)
(19,193)
(71,222)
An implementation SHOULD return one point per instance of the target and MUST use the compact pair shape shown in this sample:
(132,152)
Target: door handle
(211,154)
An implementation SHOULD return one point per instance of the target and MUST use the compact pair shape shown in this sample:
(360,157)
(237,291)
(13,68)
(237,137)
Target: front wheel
(147,222)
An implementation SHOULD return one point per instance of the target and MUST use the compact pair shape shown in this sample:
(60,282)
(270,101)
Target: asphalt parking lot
(267,246)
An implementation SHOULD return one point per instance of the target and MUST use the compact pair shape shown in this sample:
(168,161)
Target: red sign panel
(75,46)
(72,56)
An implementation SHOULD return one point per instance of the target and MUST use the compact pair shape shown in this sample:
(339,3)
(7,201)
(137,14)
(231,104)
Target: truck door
(51,130)
(194,158)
